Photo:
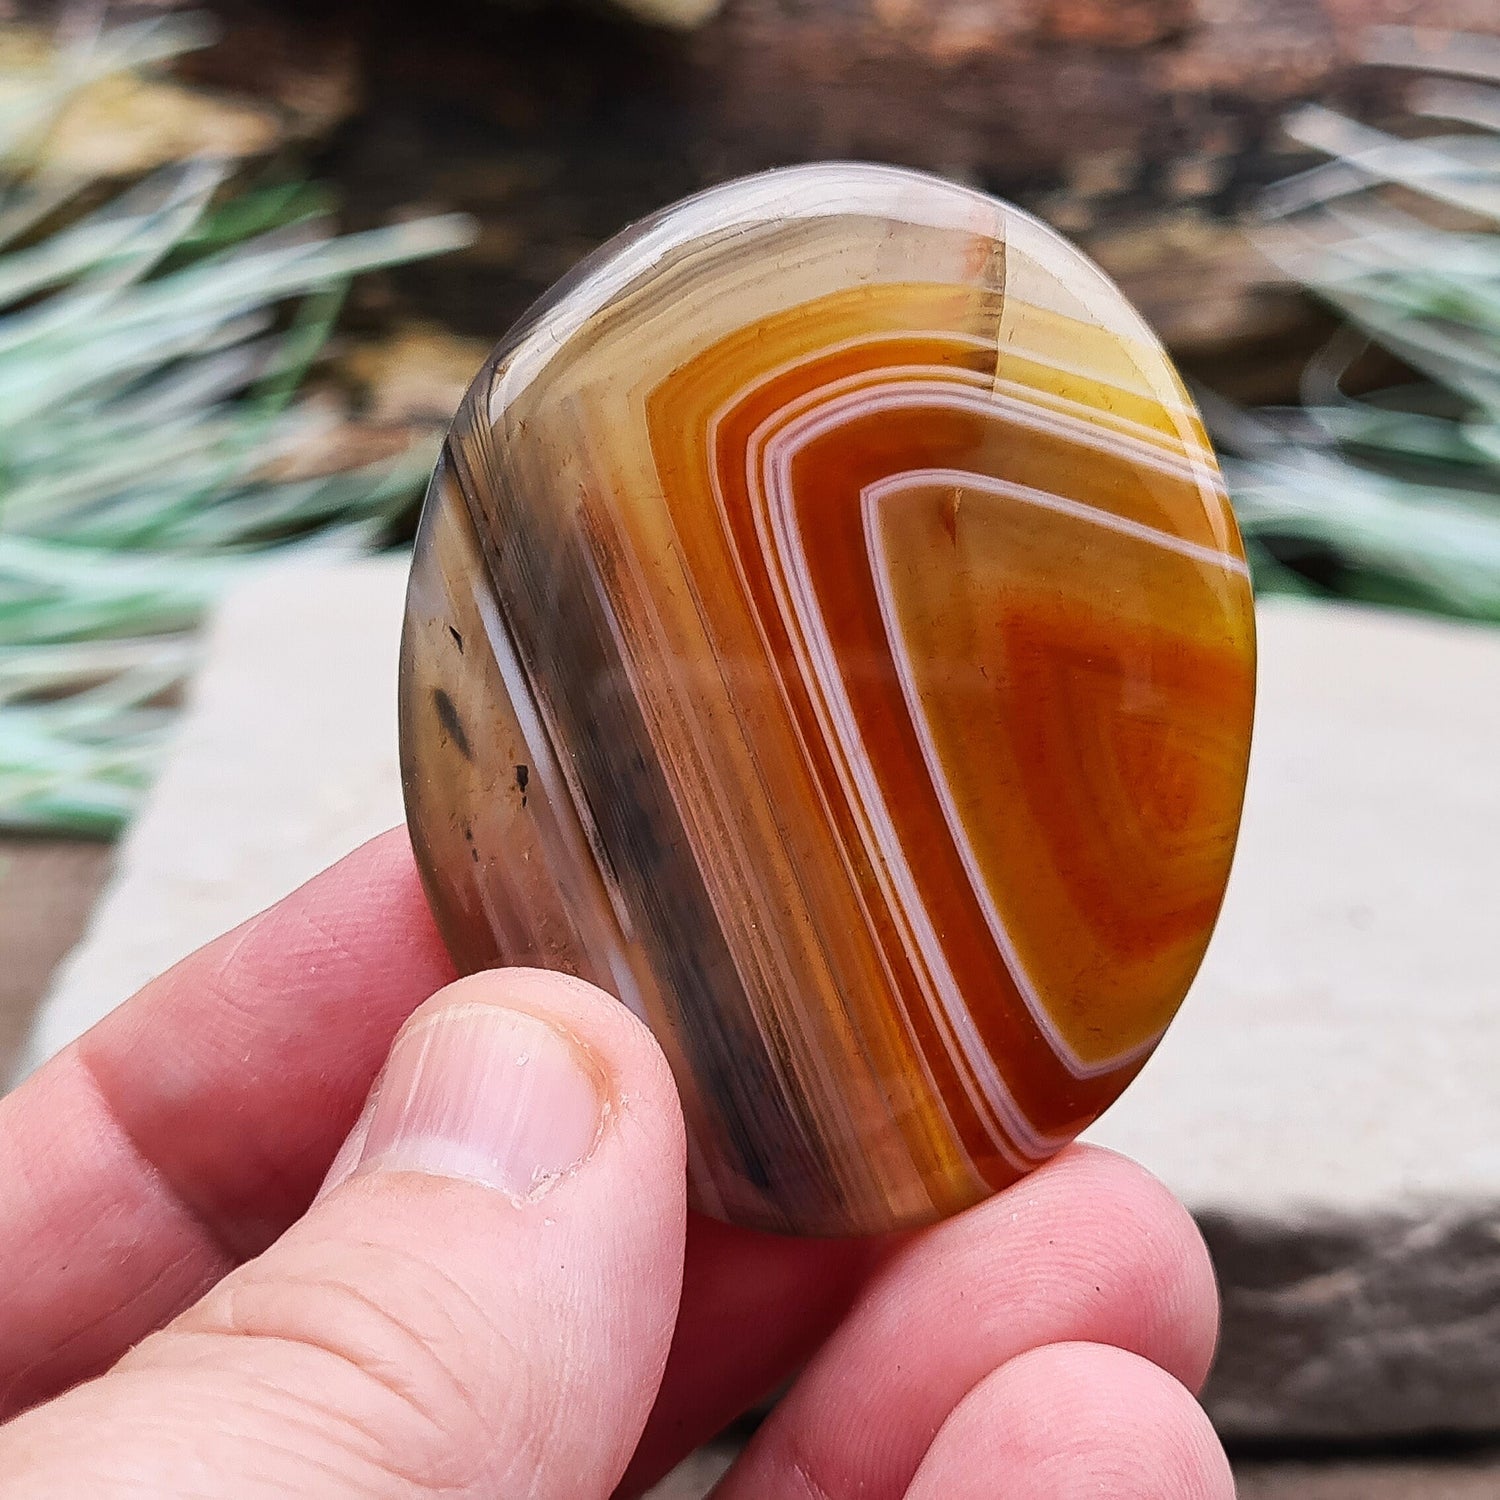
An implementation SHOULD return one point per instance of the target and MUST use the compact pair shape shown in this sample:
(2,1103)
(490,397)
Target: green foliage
(1393,498)
(153,345)
(148,401)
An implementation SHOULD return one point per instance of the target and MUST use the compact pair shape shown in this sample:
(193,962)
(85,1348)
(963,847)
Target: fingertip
(1074,1419)
(515,1078)
(1089,1248)
(507,1242)
(1111,1210)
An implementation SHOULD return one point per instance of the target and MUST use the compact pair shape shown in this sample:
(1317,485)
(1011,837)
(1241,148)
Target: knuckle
(412,1383)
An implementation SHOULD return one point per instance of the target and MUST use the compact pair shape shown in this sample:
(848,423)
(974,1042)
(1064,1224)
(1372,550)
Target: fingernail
(350,1152)
(491,1095)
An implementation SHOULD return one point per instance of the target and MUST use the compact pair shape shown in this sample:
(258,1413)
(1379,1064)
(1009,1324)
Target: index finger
(186,1130)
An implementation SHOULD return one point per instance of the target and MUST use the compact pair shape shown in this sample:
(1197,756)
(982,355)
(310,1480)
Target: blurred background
(251,254)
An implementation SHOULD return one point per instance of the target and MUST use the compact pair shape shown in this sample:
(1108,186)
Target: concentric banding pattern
(860,594)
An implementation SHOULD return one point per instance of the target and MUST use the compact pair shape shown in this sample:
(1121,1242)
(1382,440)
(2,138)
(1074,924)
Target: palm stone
(828,633)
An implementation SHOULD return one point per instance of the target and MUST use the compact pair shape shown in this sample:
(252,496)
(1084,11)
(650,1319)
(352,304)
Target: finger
(187,1129)
(1090,1249)
(193,1125)
(754,1307)
(484,1308)
(1076,1419)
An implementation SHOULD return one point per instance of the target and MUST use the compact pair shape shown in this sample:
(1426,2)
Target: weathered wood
(1139,126)
(47,887)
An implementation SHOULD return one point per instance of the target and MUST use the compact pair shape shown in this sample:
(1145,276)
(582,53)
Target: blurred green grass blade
(154,442)
(52,591)
(1444,544)
(1394,498)
(146,665)
(32,102)
(1431,170)
(1404,434)
(44,362)
(111,248)
(256,212)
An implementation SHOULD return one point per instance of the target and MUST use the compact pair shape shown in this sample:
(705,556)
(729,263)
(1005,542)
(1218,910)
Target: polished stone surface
(828,632)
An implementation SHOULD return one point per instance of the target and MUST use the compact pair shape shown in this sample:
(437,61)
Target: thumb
(479,1304)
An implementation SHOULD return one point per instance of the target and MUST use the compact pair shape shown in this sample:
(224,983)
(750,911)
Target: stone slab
(1351,986)
(1464,1477)
(1461,1478)
(1328,1104)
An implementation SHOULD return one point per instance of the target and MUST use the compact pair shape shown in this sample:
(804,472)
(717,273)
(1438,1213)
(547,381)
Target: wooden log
(1141,127)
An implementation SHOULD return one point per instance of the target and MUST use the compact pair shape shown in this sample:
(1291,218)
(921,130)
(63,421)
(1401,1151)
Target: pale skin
(179,1317)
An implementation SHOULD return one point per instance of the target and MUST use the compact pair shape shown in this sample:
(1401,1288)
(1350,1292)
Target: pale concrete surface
(1341,1047)
(1329,1102)
(285,760)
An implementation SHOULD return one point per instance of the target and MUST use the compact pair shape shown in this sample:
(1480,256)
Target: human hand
(499,1291)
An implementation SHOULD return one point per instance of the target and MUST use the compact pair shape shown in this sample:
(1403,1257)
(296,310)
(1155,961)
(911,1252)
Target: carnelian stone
(829,633)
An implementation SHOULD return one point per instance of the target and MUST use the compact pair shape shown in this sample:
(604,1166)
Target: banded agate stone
(829,634)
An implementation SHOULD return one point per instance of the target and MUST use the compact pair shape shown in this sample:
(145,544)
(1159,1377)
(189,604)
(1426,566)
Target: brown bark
(1141,127)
